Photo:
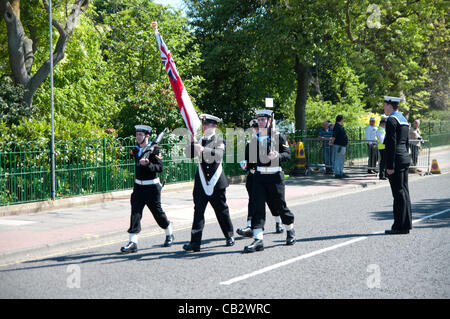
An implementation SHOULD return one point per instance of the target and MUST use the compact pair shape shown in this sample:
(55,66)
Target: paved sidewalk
(29,236)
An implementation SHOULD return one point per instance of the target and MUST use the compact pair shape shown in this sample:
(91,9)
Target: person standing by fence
(381,132)
(326,133)
(339,143)
(415,141)
(371,131)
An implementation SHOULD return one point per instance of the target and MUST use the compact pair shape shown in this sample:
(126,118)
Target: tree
(256,47)
(401,41)
(141,84)
(22,48)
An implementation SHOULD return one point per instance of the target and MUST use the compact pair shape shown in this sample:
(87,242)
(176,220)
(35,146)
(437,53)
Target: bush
(12,107)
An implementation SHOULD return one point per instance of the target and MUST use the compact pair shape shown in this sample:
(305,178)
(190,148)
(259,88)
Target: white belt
(147,182)
(268,170)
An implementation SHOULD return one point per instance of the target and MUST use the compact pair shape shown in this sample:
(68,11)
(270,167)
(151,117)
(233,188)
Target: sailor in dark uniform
(210,183)
(267,150)
(397,164)
(251,168)
(146,190)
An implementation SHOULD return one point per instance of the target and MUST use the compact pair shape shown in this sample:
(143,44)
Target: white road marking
(315,253)
(14,222)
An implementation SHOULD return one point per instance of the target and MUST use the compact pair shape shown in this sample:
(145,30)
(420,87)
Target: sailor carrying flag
(210,182)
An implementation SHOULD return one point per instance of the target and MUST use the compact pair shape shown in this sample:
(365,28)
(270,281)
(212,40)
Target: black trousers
(218,202)
(149,195)
(251,201)
(373,155)
(382,165)
(402,202)
(414,154)
(269,188)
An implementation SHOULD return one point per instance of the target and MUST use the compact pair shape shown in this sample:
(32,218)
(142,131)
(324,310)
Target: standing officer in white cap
(146,190)
(396,141)
(371,139)
(267,150)
(210,183)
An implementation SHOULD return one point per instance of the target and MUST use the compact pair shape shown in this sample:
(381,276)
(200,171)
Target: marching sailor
(267,150)
(250,168)
(147,189)
(210,183)
(396,141)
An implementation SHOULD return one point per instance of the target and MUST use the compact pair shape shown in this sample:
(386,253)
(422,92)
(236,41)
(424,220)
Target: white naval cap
(143,128)
(392,99)
(266,113)
(207,118)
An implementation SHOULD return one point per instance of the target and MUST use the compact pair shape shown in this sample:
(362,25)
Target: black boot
(246,232)
(257,245)
(130,248)
(278,228)
(230,242)
(191,247)
(290,238)
(169,241)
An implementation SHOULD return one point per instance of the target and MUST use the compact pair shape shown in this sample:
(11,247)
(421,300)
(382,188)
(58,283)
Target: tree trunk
(20,47)
(303,81)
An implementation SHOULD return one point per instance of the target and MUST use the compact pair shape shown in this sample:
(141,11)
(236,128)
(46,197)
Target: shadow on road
(422,209)
(154,252)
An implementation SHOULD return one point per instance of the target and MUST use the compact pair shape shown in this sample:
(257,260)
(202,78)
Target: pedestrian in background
(325,134)
(339,143)
(381,133)
(371,138)
(415,144)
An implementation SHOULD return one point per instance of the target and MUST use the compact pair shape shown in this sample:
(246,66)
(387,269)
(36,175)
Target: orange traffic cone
(435,167)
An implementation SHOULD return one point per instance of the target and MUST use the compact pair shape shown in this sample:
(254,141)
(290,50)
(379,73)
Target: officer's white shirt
(371,134)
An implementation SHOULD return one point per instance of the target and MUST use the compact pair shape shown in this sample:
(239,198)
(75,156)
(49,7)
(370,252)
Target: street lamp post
(52,153)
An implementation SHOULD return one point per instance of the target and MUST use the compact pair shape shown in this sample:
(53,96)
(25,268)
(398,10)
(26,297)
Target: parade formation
(264,153)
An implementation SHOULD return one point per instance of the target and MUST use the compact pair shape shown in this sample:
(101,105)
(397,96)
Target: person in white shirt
(371,139)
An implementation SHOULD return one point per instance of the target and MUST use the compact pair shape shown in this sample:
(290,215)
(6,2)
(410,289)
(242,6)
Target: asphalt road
(341,252)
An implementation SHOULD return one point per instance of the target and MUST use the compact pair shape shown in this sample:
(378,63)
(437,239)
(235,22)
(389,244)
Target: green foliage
(12,106)
(153,104)
(130,49)
(40,130)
